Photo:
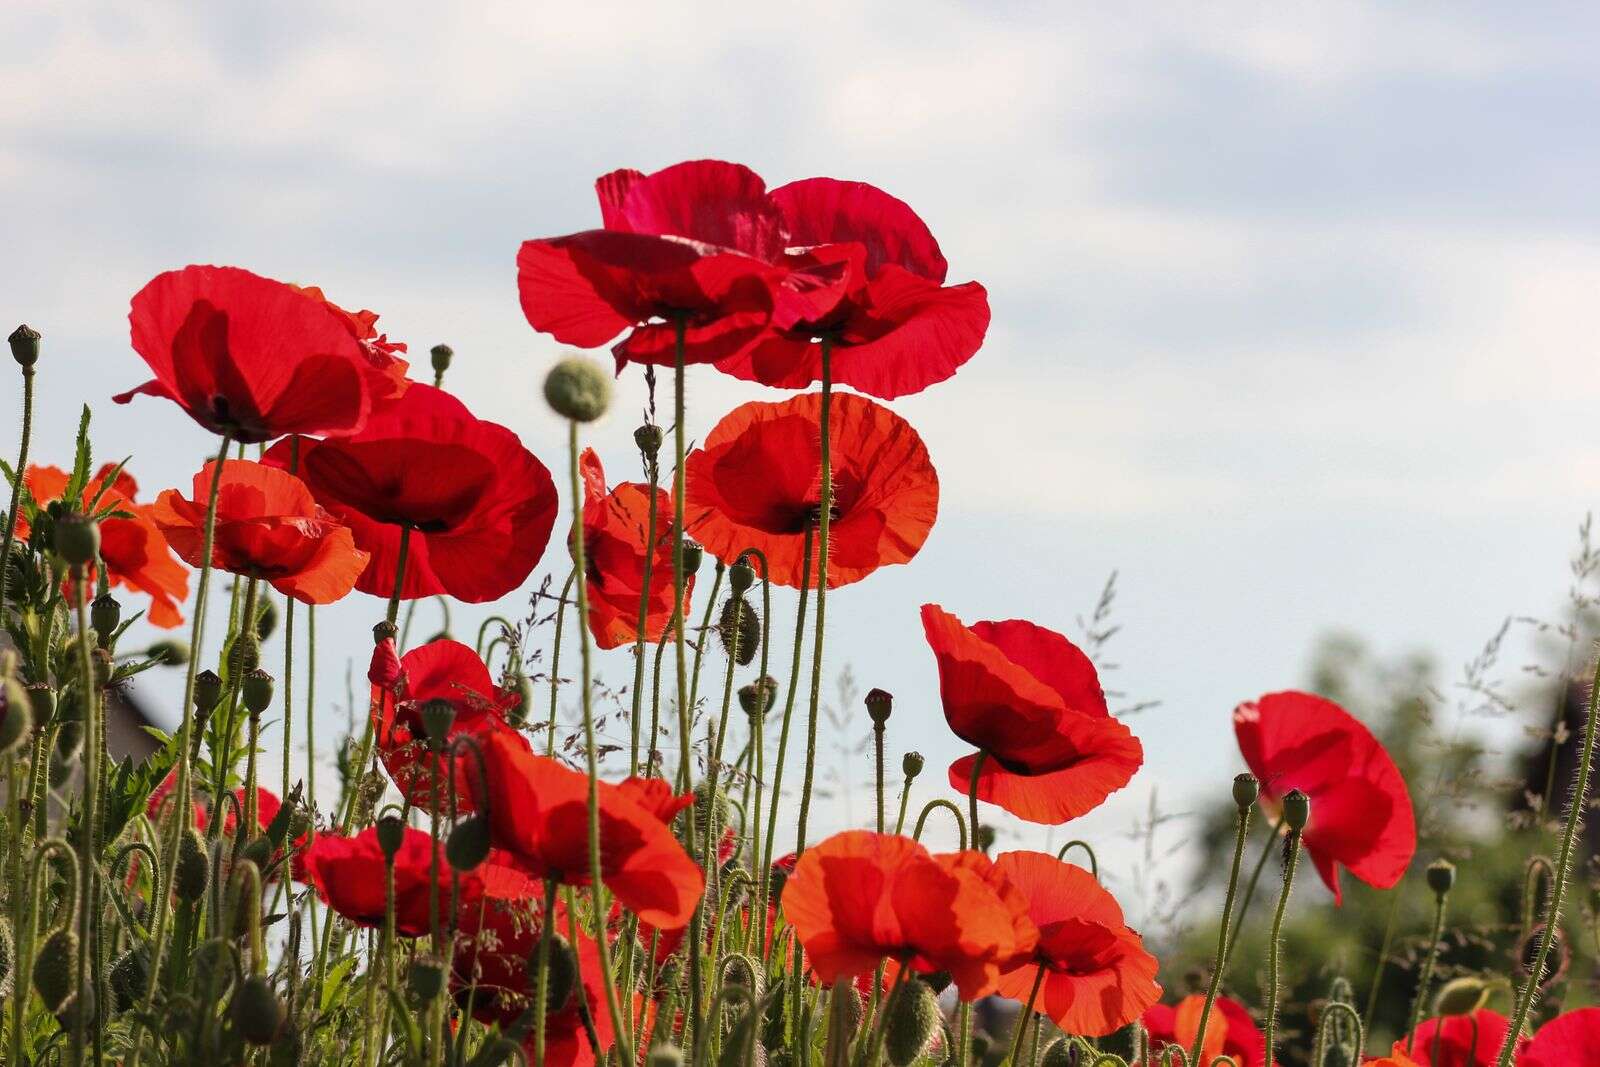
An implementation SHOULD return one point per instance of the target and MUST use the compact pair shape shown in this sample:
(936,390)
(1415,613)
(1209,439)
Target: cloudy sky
(1293,304)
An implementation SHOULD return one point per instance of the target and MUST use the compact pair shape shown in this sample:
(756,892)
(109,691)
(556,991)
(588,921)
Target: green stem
(877,754)
(1383,954)
(89,814)
(1250,892)
(16,486)
(767,854)
(542,971)
(555,661)
(1241,835)
(369,733)
(1426,975)
(1275,947)
(700,645)
(1026,1016)
(640,635)
(972,795)
(824,521)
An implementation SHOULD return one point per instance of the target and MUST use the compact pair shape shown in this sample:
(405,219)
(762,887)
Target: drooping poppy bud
(244,653)
(425,978)
(880,703)
(391,830)
(1246,788)
(24,341)
(1462,996)
(267,620)
(1059,1054)
(913,1016)
(16,714)
(130,977)
(578,389)
(739,630)
(77,539)
(54,970)
(69,740)
(468,845)
(257,1012)
(193,872)
(384,669)
(562,977)
(757,697)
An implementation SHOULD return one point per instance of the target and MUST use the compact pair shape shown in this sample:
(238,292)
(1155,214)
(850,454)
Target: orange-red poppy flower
(268,527)
(480,506)
(539,812)
(135,552)
(1361,815)
(452,672)
(757,483)
(616,533)
(1474,1040)
(860,897)
(1571,1039)
(1230,1032)
(1098,977)
(348,874)
(864,270)
(247,356)
(386,371)
(1031,702)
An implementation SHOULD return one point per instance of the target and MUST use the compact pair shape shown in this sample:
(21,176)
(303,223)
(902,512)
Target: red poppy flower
(268,527)
(479,505)
(695,240)
(539,812)
(495,961)
(757,484)
(136,554)
(860,897)
(247,356)
(386,371)
(1471,1040)
(1231,1031)
(1031,701)
(1098,977)
(439,670)
(348,874)
(1569,1040)
(1361,815)
(864,270)
(616,527)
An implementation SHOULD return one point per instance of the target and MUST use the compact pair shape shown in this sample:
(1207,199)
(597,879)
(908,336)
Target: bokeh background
(1294,304)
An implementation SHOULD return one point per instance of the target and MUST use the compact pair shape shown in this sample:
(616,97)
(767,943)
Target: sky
(1294,304)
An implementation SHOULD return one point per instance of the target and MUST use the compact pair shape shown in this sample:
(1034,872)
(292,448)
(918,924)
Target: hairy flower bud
(665,1056)
(739,630)
(24,341)
(266,619)
(911,764)
(741,576)
(193,872)
(69,740)
(1441,877)
(468,845)
(757,698)
(648,438)
(437,716)
(441,355)
(1058,1054)
(578,388)
(54,969)
(391,831)
(257,1012)
(244,654)
(169,653)
(77,538)
(880,703)
(425,978)
(1296,810)
(562,980)
(1246,788)
(1462,996)
(692,556)
(16,714)
(104,615)
(912,1017)
(130,976)
(257,691)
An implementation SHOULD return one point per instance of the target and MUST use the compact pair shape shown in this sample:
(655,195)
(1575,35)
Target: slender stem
(653,471)
(704,633)
(542,971)
(1241,835)
(1383,954)
(89,814)
(877,754)
(555,660)
(1026,1016)
(788,706)
(1425,977)
(972,795)
(1275,947)
(16,486)
(824,521)
(1576,804)
(1250,892)
(905,798)
(288,655)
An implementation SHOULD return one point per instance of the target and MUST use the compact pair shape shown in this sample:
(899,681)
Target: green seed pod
(1058,1054)
(8,957)
(693,555)
(257,1012)
(54,970)
(911,1020)
(77,539)
(1462,996)
(193,873)
(440,356)
(648,438)
(437,717)
(69,740)
(207,692)
(16,715)
(266,619)
(130,977)
(880,704)
(665,1056)
(844,1004)
(911,765)
(563,973)
(425,978)
(741,576)
(739,629)
(578,388)
(24,341)
(391,830)
(1296,809)
(104,615)
(257,691)
(468,845)
(1441,877)
(1246,788)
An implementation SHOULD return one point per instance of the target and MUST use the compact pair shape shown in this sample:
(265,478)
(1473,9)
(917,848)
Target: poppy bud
(757,697)
(24,341)
(1462,996)
(880,702)
(1246,788)
(741,576)
(578,388)
(648,438)
(1059,1054)
(665,1056)
(739,630)
(170,653)
(911,764)
(425,978)
(777,878)
(267,620)
(1296,810)
(41,701)
(983,837)
(747,971)
(257,1011)
(562,975)
(437,716)
(522,685)
(16,714)
(938,981)
(912,1017)
(101,666)
(54,969)
(441,355)
(1441,877)
(77,539)
(468,845)
(8,956)
(710,811)
(207,692)
(257,691)
(69,740)
(104,615)
(391,830)
(244,654)
(692,555)
(384,670)
(190,877)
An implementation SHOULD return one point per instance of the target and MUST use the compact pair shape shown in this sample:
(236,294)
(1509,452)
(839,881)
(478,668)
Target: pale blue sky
(1293,304)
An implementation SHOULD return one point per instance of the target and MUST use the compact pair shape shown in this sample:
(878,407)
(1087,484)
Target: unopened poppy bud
(522,685)
(257,1011)
(1296,810)
(913,1016)
(170,653)
(425,978)
(880,702)
(207,692)
(267,620)
(983,837)
(193,872)
(777,878)
(77,539)
(24,341)
(757,697)
(55,968)
(437,716)
(665,1056)
(741,576)
(1462,996)
(16,715)
(739,630)
(130,976)
(1246,788)
(692,555)
(244,654)
(938,981)
(101,665)
(441,355)
(911,764)
(648,438)
(104,615)
(981,1043)
(562,978)
(1058,1054)
(42,701)
(257,691)
(391,830)
(1441,877)
(384,670)
(578,388)
(69,739)
(468,845)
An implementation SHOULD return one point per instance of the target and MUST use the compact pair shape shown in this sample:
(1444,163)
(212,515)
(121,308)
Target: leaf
(82,460)
(106,483)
